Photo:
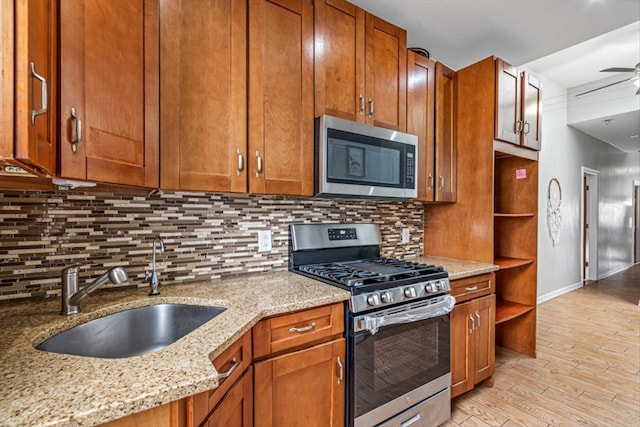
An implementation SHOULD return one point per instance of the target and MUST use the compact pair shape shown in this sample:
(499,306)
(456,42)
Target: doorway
(589,215)
(636,221)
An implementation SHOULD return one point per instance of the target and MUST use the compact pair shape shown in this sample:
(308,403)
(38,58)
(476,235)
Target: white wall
(564,152)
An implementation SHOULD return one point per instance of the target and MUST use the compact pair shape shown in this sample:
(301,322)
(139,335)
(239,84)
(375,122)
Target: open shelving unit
(515,251)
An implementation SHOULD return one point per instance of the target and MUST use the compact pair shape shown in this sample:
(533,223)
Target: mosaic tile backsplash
(206,235)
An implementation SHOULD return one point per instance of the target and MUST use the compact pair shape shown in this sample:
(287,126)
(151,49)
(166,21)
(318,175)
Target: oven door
(399,357)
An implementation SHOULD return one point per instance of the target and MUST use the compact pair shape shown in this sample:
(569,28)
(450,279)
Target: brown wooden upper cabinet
(28,85)
(360,66)
(203,122)
(281,144)
(518,106)
(431,115)
(109,91)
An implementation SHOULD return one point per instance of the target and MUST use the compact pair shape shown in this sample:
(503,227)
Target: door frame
(636,221)
(591,177)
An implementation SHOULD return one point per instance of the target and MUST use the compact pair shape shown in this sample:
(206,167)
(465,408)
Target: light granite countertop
(46,389)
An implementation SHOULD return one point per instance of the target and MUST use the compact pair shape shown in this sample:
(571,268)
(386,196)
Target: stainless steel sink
(131,332)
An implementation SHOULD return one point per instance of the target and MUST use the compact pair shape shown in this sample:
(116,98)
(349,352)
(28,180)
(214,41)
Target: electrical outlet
(264,240)
(405,235)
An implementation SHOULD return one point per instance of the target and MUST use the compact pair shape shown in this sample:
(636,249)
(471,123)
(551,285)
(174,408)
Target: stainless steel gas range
(397,331)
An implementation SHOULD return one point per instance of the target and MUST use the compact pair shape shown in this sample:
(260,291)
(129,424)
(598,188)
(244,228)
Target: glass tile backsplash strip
(207,235)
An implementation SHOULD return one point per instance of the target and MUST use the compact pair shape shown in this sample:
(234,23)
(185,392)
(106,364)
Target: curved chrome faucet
(71,296)
(154,275)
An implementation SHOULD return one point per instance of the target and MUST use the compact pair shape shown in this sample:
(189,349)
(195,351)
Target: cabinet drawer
(473,287)
(232,362)
(297,330)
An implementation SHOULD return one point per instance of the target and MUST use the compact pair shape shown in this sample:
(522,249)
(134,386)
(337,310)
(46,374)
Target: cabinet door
(304,388)
(445,131)
(339,60)
(462,348)
(236,408)
(531,111)
(508,104)
(109,77)
(281,97)
(35,86)
(420,119)
(385,74)
(172,414)
(484,337)
(203,122)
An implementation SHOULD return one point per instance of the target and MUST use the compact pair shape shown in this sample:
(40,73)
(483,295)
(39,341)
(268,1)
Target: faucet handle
(147,276)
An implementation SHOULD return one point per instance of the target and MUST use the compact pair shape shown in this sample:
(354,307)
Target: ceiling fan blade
(602,87)
(618,70)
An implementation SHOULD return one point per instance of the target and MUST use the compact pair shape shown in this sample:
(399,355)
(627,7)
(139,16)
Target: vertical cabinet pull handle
(370,108)
(78,139)
(518,126)
(430,182)
(478,316)
(527,128)
(361,110)
(340,370)
(473,324)
(309,327)
(259,170)
(44,101)
(441,183)
(240,162)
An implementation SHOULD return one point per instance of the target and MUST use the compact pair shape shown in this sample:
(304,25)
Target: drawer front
(230,365)
(473,287)
(297,330)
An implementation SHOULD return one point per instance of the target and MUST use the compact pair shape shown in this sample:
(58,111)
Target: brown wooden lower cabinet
(236,407)
(172,414)
(302,388)
(472,343)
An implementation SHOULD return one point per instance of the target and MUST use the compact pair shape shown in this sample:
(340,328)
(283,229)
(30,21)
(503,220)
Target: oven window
(397,360)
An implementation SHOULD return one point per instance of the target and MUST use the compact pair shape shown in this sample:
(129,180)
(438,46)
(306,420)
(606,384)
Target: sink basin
(131,332)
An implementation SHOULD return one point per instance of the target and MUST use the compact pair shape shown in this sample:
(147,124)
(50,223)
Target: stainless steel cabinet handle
(518,126)
(430,182)
(240,162)
(361,110)
(472,288)
(478,316)
(259,171)
(370,108)
(441,183)
(234,365)
(44,101)
(341,368)
(527,128)
(410,421)
(78,138)
(309,327)
(473,324)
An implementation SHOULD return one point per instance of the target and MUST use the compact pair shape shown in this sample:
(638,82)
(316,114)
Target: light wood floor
(587,371)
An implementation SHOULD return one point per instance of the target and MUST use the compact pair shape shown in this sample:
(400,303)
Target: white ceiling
(568,41)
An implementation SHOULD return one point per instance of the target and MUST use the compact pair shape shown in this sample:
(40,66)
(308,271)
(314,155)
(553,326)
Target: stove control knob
(373,300)
(429,288)
(385,297)
(410,292)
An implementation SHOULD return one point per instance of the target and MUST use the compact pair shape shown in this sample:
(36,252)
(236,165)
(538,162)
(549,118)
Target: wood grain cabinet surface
(518,106)
(431,107)
(360,66)
(28,31)
(472,343)
(109,91)
(281,146)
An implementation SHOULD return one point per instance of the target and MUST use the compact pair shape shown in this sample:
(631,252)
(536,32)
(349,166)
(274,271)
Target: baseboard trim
(616,271)
(554,294)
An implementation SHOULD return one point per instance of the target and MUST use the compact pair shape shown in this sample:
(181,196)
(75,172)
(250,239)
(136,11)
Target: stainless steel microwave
(354,160)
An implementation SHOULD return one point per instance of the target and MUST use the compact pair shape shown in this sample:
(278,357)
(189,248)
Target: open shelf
(507,310)
(514,215)
(505,263)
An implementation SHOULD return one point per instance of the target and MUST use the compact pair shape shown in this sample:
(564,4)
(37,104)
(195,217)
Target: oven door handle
(373,323)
